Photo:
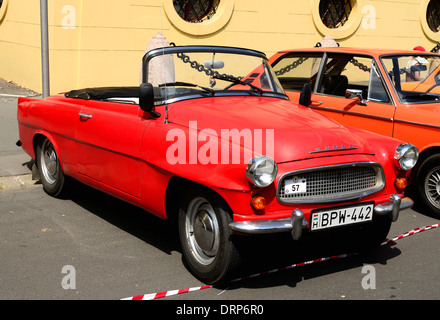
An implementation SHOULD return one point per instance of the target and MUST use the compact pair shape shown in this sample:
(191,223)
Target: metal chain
(435,49)
(360,65)
(201,68)
(291,66)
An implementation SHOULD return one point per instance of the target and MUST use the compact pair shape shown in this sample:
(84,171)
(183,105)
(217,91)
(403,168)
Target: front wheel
(428,184)
(49,168)
(205,237)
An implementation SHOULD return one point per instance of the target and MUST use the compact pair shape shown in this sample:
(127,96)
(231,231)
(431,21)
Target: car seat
(334,85)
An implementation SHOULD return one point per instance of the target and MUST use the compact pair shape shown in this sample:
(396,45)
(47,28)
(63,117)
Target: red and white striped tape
(158,295)
(410,233)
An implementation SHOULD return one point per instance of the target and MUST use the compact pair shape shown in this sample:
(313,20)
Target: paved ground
(14,160)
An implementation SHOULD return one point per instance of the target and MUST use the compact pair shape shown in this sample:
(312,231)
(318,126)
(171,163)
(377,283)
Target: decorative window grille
(335,13)
(196,10)
(433,15)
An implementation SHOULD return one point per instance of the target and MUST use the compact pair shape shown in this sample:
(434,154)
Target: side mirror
(146,99)
(355,93)
(305,98)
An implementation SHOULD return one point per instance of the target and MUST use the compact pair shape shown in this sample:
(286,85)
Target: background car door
(369,107)
(108,143)
(373,112)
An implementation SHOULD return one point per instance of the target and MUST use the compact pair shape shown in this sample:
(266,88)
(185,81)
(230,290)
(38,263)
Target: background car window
(296,69)
(352,72)
(415,78)
(376,91)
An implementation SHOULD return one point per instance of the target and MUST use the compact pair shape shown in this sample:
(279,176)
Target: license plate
(340,216)
(295,185)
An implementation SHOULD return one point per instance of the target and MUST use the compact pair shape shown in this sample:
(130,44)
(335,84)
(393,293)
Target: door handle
(85,115)
(316,102)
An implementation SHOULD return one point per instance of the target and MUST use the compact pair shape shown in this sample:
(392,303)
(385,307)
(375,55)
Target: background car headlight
(406,156)
(261,171)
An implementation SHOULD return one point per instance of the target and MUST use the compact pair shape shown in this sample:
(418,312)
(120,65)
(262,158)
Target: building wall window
(196,10)
(430,19)
(337,18)
(433,15)
(198,17)
(335,13)
(3,7)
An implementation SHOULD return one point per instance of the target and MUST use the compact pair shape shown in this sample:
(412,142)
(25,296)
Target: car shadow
(162,234)
(268,259)
(417,206)
(282,261)
(260,253)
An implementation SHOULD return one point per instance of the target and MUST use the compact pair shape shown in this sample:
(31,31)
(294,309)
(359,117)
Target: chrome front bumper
(296,223)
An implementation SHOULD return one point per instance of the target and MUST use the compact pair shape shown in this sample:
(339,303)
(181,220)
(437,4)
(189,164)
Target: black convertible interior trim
(103,93)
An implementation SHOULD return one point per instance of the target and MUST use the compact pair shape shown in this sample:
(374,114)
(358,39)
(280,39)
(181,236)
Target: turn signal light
(258,202)
(401,183)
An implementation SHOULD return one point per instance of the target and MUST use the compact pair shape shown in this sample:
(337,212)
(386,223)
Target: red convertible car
(211,139)
(392,92)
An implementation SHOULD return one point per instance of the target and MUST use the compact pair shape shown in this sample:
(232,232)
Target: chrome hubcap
(202,231)
(432,187)
(49,162)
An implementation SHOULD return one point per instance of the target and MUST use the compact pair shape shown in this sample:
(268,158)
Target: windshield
(191,72)
(415,78)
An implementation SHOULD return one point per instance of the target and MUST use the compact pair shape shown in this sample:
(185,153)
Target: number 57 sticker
(295,185)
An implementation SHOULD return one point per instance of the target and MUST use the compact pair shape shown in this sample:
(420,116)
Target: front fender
(177,151)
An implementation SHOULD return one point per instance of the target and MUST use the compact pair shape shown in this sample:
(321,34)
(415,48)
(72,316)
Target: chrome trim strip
(352,113)
(374,117)
(334,150)
(271,226)
(223,93)
(391,207)
(417,124)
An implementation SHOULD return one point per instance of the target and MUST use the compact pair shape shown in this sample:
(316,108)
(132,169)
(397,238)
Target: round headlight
(261,171)
(406,156)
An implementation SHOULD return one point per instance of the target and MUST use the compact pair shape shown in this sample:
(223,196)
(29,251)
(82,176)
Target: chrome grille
(333,183)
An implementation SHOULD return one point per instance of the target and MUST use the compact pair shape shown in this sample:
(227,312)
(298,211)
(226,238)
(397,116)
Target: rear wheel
(49,168)
(206,238)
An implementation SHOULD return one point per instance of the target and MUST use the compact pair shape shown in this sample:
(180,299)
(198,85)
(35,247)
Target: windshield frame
(424,98)
(248,91)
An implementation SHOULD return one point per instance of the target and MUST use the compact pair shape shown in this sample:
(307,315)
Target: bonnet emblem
(334,148)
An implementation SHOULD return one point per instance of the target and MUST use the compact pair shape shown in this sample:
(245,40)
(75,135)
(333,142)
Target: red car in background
(392,92)
(210,138)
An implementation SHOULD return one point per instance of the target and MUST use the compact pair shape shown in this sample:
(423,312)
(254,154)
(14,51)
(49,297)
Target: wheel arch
(425,154)
(174,195)
(45,135)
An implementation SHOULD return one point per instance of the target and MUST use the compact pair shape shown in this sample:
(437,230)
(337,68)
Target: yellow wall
(101,42)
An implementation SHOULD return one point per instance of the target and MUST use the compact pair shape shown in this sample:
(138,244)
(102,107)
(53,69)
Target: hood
(277,128)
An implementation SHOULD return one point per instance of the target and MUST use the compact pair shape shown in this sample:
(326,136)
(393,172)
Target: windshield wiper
(238,81)
(187,84)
